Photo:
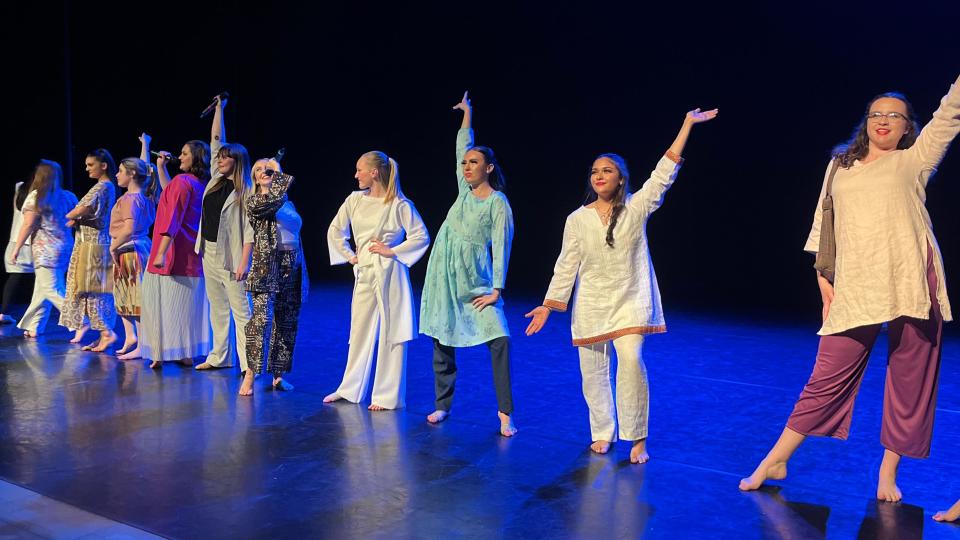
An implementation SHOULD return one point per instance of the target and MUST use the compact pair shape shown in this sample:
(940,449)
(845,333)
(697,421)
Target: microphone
(211,107)
(171,159)
(280,153)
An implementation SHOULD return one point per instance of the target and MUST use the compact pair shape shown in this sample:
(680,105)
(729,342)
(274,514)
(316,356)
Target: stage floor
(179,454)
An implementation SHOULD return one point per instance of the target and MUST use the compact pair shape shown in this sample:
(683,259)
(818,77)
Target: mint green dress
(469,259)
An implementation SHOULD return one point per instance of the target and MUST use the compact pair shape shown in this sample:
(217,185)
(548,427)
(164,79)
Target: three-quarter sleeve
(934,139)
(566,269)
(813,239)
(338,236)
(464,142)
(650,196)
(501,239)
(170,220)
(416,240)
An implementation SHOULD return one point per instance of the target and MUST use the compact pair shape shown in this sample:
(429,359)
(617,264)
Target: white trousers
(633,396)
(390,379)
(227,296)
(49,286)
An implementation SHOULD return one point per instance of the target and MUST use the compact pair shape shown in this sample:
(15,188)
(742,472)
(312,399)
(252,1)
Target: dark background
(552,85)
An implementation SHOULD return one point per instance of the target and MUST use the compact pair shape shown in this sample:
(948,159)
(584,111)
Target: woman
(390,237)
(225,243)
(617,301)
(90,274)
(20,270)
(461,304)
(130,223)
(888,270)
(278,277)
(51,242)
(174,313)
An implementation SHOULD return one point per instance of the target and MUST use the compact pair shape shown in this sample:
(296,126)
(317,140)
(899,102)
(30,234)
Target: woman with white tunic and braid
(390,237)
(617,301)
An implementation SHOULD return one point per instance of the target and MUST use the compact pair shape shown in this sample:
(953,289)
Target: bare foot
(90,346)
(131,355)
(280,385)
(507,429)
(203,365)
(600,447)
(105,341)
(949,515)
(375,407)
(437,416)
(887,490)
(30,334)
(78,335)
(638,454)
(246,388)
(776,470)
(156,364)
(332,397)
(186,362)
(127,347)
(6,319)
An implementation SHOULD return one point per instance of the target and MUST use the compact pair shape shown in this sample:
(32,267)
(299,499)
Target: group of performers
(225,249)
(230,249)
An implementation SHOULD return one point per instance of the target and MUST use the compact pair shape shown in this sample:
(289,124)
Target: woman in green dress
(461,304)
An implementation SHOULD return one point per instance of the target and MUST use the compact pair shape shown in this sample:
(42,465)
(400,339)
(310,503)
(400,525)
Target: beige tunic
(883,229)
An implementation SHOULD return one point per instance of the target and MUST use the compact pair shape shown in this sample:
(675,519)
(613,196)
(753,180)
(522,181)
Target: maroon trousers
(825,406)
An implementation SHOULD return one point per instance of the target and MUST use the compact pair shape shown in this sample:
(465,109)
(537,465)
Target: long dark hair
(859,143)
(103,156)
(619,198)
(240,176)
(496,178)
(201,159)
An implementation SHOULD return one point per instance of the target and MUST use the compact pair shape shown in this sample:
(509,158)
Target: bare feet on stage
(204,365)
(6,319)
(507,429)
(78,335)
(127,347)
(437,416)
(280,385)
(600,447)
(887,489)
(30,334)
(332,397)
(638,453)
(156,364)
(246,388)
(186,362)
(767,470)
(375,407)
(106,340)
(952,514)
(130,355)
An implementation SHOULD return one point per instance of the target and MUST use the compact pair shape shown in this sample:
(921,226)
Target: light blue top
(469,259)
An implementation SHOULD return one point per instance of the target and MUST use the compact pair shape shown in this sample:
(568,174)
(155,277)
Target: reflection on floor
(177,453)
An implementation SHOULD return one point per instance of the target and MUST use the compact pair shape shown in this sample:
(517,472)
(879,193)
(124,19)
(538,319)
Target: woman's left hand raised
(381,249)
(481,302)
(697,116)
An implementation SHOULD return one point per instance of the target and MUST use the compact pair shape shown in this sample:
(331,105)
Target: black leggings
(17,286)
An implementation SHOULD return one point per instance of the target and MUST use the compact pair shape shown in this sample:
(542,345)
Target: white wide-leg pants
(49,286)
(227,296)
(633,397)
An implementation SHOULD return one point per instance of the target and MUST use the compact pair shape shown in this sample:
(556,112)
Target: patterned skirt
(127,276)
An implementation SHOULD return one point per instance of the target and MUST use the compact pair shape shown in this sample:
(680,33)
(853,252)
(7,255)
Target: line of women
(222,276)
(888,271)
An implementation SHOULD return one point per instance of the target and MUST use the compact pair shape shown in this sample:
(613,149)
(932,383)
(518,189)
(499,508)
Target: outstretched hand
(145,139)
(697,116)
(464,104)
(540,314)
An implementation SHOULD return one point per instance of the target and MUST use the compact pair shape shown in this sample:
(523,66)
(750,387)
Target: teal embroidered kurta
(469,259)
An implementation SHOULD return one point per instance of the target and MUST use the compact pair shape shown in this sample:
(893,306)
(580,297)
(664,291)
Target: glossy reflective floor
(177,453)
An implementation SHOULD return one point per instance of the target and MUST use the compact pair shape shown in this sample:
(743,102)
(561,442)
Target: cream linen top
(616,288)
(883,229)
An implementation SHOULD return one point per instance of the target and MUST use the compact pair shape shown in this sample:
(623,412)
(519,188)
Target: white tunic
(399,226)
(616,288)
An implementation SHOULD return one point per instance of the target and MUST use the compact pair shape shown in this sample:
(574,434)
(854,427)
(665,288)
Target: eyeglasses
(890,116)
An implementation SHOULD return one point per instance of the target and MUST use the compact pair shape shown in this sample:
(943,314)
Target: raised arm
(162,175)
(266,205)
(145,147)
(218,134)
(934,139)
(650,196)
(464,139)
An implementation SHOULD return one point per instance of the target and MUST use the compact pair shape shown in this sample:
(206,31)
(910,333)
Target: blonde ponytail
(388,174)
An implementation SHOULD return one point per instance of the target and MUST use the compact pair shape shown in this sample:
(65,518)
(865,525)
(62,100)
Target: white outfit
(175,317)
(289,224)
(49,285)
(226,295)
(24,263)
(616,300)
(382,309)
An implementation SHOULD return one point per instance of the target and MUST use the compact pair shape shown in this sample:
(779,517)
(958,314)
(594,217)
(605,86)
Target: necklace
(605,214)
